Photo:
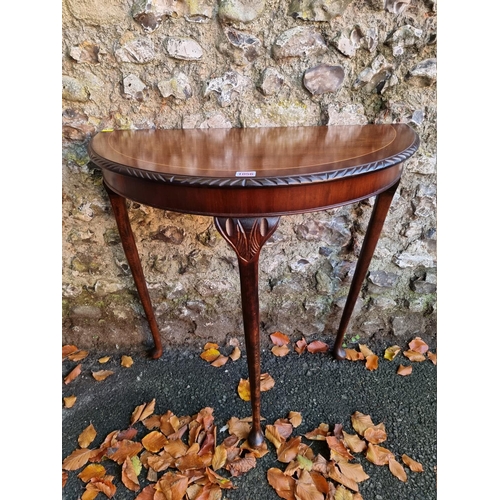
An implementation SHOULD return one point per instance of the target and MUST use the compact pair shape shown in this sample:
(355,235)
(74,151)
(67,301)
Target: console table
(246,179)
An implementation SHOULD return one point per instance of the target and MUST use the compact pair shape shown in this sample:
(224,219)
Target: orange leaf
(101,375)
(127,361)
(244,389)
(354,443)
(418,345)
(92,470)
(64,478)
(78,356)
(353,355)
(129,477)
(154,441)
(335,474)
(68,349)
(432,357)
(210,355)
(305,488)
(378,455)
(317,346)
(300,345)
(273,435)
(371,362)
(87,436)
(295,418)
(220,361)
(104,485)
(361,422)
(104,359)
(320,482)
(241,465)
(210,345)
(318,434)
(219,458)
(375,434)
(147,493)
(365,350)
(279,339)
(220,481)
(341,493)
(353,471)
(123,449)
(412,464)
(391,352)
(143,411)
(73,374)
(283,485)
(397,470)
(280,351)
(404,370)
(78,458)
(238,427)
(69,401)
(236,354)
(289,450)
(266,382)
(414,356)
(338,450)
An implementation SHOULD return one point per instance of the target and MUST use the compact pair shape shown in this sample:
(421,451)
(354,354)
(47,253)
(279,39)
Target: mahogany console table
(246,179)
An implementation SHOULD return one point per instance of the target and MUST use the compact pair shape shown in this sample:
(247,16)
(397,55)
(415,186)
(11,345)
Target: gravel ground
(321,389)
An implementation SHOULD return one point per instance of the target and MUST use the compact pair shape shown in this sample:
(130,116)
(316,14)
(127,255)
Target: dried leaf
(129,476)
(318,434)
(354,443)
(412,464)
(92,470)
(78,458)
(272,434)
(234,342)
(176,448)
(295,418)
(338,450)
(397,470)
(210,345)
(244,389)
(193,461)
(154,441)
(236,354)
(353,471)
(432,357)
(353,355)
(87,436)
(78,356)
(220,481)
(147,493)
(73,374)
(210,355)
(284,427)
(279,339)
(220,361)
(101,375)
(283,485)
(300,345)
(391,352)
(375,434)
(266,382)
(317,346)
(304,462)
(289,450)
(280,351)
(127,361)
(142,412)
(371,362)
(104,485)
(378,455)
(64,478)
(305,488)
(418,345)
(335,474)
(341,493)
(361,422)
(219,458)
(256,451)
(123,449)
(241,465)
(238,427)
(173,485)
(68,349)
(320,482)
(104,359)
(404,370)
(414,356)
(69,401)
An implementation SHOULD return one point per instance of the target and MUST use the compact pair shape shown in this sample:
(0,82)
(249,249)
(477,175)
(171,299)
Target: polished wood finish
(246,179)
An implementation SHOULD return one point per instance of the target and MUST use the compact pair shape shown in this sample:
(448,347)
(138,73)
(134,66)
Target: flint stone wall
(229,63)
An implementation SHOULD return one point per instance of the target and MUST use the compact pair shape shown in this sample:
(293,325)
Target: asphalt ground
(321,389)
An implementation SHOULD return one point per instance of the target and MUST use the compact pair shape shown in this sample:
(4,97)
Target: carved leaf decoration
(397,470)
(412,464)
(87,436)
(418,345)
(404,370)
(283,485)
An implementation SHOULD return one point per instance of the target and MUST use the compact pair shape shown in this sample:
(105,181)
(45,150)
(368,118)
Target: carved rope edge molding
(256,181)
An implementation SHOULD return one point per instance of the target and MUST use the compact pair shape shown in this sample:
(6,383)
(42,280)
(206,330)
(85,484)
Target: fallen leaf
(241,465)
(122,450)
(318,434)
(104,359)
(342,493)
(238,427)
(78,458)
(317,346)
(371,362)
(353,471)
(378,455)
(220,361)
(404,370)
(304,462)
(68,349)
(300,346)
(219,458)
(220,481)
(173,485)
(143,411)
(147,493)
(375,434)
(78,356)
(280,351)
(338,450)
(412,464)
(295,418)
(101,375)
(283,485)
(335,474)
(87,436)
(289,450)
(354,443)
(154,441)
(127,361)
(284,427)
(266,382)
(272,434)
(353,355)
(279,339)
(92,470)
(414,356)
(104,485)
(73,374)
(210,354)
(305,488)
(244,389)
(129,476)
(236,354)
(418,345)
(64,478)
(432,357)
(69,401)
(210,345)
(391,352)
(320,482)
(397,470)
(365,350)
(361,422)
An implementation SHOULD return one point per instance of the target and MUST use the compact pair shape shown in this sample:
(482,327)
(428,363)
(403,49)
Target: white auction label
(250,173)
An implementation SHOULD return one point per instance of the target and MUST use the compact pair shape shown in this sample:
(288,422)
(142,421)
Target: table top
(249,157)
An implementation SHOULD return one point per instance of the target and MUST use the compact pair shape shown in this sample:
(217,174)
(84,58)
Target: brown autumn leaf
(129,476)
(65,476)
(173,485)
(123,449)
(295,418)
(414,356)
(280,351)
(317,346)
(101,375)
(236,354)
(104,359)
(176,448)
(92,470)
(210,345)
(412,464)
(353,471)
(192,461)
(69,401)
(266,382)
(127,361)
(104,485)
(342,493)
(371,362)
(375,434)
(353,355)
(220,361)
(361,422)
(397,470)
(273,435)
(68,349)
(87,436)
(256,451)
(154,441)
(404,370)
(78,458)
(78,356)
(318,434)
(335,474)
(365,350)
(391,352)
(284,427)
(238,427)
(338,450)
(300,345)
(241,465)
(418,345)
(305,488)
(432,356)
(279,339)
(219,457)
(354,443)
(142,412)
(283,485)
(210,355)
(147,493)
(220,481)
(73,374)
(378,455)
(320,482)
(244,389)
(289,450)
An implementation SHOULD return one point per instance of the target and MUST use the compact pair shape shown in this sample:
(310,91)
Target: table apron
(254,201)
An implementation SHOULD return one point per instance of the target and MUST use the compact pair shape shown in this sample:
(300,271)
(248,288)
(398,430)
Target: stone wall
(240,63)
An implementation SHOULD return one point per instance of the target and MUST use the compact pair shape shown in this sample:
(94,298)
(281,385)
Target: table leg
(377,219)
(118,203)
(247,236)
